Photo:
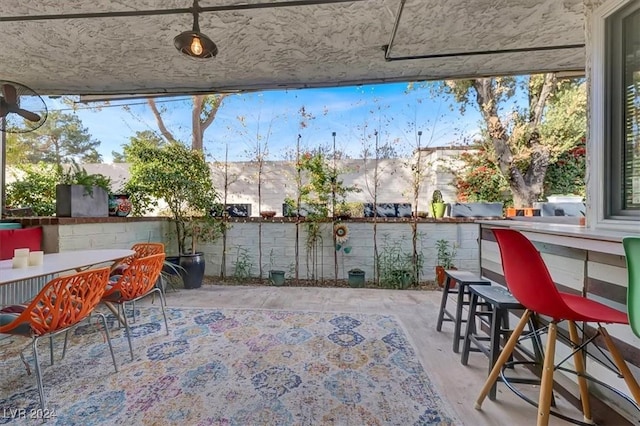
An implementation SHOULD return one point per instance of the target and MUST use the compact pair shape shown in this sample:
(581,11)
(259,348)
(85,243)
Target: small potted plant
(437,206)
(267,214)
(444,261)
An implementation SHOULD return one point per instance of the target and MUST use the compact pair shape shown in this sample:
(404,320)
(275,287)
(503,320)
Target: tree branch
(200,126)
(537,110)
(163,129)
(486,99)
(196,130)
(214,110)
(534,177)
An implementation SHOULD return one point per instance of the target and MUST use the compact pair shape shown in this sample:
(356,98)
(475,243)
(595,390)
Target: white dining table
(55,263)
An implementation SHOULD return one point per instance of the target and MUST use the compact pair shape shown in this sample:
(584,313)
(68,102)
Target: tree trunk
(526,186)
(260,165)
(199,123)
(197,133)
(156,113)
(523,196)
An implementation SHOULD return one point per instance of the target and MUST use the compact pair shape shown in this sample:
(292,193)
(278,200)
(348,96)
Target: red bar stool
(529,281)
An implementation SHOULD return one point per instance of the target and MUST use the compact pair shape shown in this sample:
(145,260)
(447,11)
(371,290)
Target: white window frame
(596,146)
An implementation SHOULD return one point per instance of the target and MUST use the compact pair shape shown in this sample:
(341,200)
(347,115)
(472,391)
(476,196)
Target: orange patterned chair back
(137,279)
(63,302)
(143,250)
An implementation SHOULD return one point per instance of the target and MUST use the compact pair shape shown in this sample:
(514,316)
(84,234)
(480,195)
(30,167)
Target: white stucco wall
(278,180)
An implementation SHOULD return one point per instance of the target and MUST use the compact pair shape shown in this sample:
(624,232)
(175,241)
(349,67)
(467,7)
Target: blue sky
(352,112)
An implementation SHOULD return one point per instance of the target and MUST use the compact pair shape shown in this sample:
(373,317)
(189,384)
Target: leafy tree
(480,179)
(178,176)
(147,136)
(118,157)
(17,149)
(61,139)
(203,112)
(566,175)
(524,141)
(35,188)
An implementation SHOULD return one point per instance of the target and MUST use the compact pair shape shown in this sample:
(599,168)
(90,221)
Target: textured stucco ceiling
(298,46)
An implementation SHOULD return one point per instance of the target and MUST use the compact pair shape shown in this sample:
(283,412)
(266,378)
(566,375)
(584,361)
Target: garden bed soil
(290,282)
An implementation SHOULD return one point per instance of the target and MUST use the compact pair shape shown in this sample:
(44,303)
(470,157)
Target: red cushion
(11,239)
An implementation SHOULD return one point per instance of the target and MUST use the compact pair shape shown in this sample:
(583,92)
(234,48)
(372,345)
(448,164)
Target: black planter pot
(168,269)
(193,269)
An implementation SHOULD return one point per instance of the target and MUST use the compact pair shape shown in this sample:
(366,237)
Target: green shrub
(35,188)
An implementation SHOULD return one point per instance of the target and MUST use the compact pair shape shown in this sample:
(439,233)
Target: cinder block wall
(107,235)
(278,244)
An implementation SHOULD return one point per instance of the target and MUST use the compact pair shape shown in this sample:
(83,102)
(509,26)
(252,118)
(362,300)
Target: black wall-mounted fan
(21,109)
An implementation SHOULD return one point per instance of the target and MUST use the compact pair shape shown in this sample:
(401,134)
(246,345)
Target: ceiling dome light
(193,43)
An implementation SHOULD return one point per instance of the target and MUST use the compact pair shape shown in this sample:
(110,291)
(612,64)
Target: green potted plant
(444,261)
(437,206)
(82,194)
(181,178)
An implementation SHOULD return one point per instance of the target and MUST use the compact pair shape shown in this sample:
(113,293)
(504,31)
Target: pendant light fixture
(193,43)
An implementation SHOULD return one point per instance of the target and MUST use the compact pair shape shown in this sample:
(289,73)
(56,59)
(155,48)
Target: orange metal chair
(141,250)
(530,282)
(61,304)
(138,280)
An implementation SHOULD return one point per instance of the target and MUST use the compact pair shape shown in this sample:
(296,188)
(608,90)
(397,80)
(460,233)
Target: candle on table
(21,252)
(36,258)
(20,262)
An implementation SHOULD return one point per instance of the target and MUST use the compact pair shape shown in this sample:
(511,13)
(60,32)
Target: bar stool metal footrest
(496,302)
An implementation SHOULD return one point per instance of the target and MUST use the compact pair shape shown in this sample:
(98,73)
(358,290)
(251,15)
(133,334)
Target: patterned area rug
(231,367)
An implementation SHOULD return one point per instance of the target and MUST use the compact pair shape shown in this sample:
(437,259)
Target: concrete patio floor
(417,312)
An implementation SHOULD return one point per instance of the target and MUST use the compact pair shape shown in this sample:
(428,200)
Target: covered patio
(104,50)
